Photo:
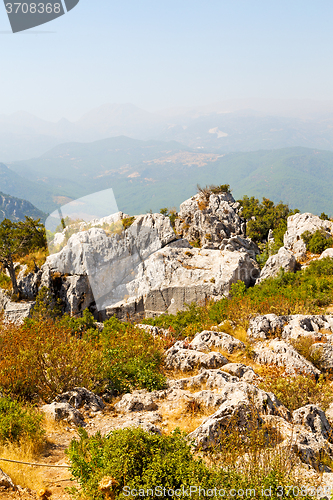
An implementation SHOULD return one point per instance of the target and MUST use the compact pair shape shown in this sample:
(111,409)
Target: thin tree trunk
(12,275)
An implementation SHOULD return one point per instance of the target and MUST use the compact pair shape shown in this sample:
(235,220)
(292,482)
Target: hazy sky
(163,53)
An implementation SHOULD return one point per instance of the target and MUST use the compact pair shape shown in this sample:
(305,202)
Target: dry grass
(24,475)
(38,257)
(187,416)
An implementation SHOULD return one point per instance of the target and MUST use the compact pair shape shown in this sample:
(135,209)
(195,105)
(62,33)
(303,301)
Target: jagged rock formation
(283,259)
(291,327)
(144,269)
(299,223)
(214,221)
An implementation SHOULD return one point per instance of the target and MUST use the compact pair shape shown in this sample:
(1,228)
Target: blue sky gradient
(158,54)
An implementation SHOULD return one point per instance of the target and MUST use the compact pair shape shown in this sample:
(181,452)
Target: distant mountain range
(243,125)
(15,209)
(148,175)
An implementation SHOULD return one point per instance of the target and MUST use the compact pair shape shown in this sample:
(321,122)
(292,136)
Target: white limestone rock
(299,223)
(63,411)
(210,379)
(208,340)
(245,373)
(284,259)
(280,353)
(136,401)
(242,407)
(189,359)
(81,397)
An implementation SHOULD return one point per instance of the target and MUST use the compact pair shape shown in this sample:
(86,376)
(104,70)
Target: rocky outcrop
(318,327)
(323,352)
(280,353)
(284,259)
(241,409)
(245,373)
(214,221)
(131,273)
(136,401)
(80,397)
(299,223)
(15,312)
(210,340)
(181,359)
(63,411)
(210,379)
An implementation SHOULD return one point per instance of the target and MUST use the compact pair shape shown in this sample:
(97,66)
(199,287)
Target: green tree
(17,239)
(261,217)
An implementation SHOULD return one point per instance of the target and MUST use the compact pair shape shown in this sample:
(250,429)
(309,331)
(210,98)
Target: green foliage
(184,323)
(297,391)
(304,292)
(139,460)
(85,324)
(133,357)
(324,216)
(17,422)
(46,306)
(171,213)
(238,289)
(127,222)
(317,242)
(261,217)
(16,240)
(214,189)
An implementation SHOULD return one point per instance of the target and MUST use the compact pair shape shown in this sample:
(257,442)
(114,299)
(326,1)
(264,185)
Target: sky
(167,53)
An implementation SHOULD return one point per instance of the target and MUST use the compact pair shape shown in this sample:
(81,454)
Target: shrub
(213,189)
(127,222)
(133,357)
(136,459)
(17,422)
(297,391)
(317,242)
(261,217)
(43,358)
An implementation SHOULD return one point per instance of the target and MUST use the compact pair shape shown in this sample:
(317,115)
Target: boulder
(324,354)
(299,223)
(314,419)
(326,253)
(210,379)
(81,397)
(15,312)
(63,411)
(153,330)
(189,359)
(262,327)
(173,277)
(311,447)
(136,401)
(246,373)
(241,408)
(284,259)
(209,219)
(208,340)
(291,327)
(280,353)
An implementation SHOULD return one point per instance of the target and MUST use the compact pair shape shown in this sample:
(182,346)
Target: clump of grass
(296,391)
